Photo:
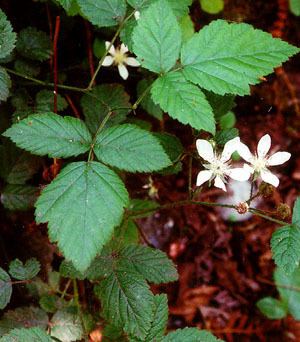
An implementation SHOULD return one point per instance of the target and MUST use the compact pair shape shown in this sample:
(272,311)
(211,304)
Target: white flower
(261,160)
(137,15)
(218,166)
(118,56)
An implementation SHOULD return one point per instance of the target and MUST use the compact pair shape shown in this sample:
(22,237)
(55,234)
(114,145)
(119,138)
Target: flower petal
(203,176)
(137,15)
(263,146)
(240,174)
(205,150)
(270,178)
(244,152)
(278,158)
(108,60)
(123,71)
(112,50)
(132,62)
(219,183)
(230,147)
(123,49)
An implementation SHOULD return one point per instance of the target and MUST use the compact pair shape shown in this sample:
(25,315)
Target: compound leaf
(183,101)
(227,58)
(5,288)
(51,134)
(7,36)
(26,335)
(25,271)
(190,335)
(128,147)
(100,199)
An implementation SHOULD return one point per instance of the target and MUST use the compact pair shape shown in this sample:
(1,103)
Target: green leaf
(66,326)
(34,44)
(136,205)
(221,105)
(295,6)
(100,101)
(225,135)
(21,271)
(296,212)
(212,6)
(157,38)
(100,200)
(103,12)
(126,234)
(51,303)
(183,101)
(190,335)
(171,144)
(126,33)
(27,335)
(5,84)
(159,318)
(147,103)
(286,286)
(7,36)
(19,197)
(99,48)
(45,101)
(227,58)
(5,288)
(17,166)
(285,245)
(51,134)
(126,301)
(128,147)
(180,7)
(27,67)
(227,121)
(272,308)
(151,263)
(187,28)
(70,6)
(23,316)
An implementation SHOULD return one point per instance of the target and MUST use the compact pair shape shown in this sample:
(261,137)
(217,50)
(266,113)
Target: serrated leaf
(66,326)
(212,6)
(157,38)
(147,102)
(126,234)
(45,101)
(295,7)
(171,144)
(5,84)
(100,101)
(27,68)
(151,263)
(272,308)
(34,44)
(227,121)
(103,12)
(23,316)
(287,285)
(51,134)
(51,303)
(100,200)
(21,271)
(183,101)
(296,212)
(227,58)
(190,335)
(187,28)
(126,301)
(26,335)
(221,105)
(126,33)
(70,6)
(128,147)
(225,135)
(19,197)
(285,245)
(136,205)
(5,288)
(7,36)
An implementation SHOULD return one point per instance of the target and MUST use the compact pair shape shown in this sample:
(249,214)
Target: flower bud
(265,189)
(242,208)
(283,211)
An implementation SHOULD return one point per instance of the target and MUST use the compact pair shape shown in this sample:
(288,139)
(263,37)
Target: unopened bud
(242,208)
(265,189)
(283,211)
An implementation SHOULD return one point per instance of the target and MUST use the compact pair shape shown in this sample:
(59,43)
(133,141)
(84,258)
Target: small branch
(89,48)
(55,73)
(71,103)
(258,213)
(268,282)
(15,282)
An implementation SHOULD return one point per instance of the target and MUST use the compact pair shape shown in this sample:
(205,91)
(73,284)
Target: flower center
(120,57)
(259,164)
(218,167)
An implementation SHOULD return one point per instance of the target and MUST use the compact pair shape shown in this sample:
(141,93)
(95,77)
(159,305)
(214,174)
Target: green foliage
(295,6)
(27,67)
(212,6)
(190,335)
(285,243)
(51,134)
(157,38)
(45,101)
(272,308)
(100,199)
(222,137)
(34,44)
(19,197)
(100,101)
(128,147)
(183,101)
(138,205)
(26,335)
(147,102)
(70,6)
(237,56)
(227,121)
(25,271)
(103,12)
(5,288)
(5,84)
(7,36)
(187,28)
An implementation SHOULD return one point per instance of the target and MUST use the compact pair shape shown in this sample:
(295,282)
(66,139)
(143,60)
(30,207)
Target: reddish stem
(55,41)
(71,103)
(88,33)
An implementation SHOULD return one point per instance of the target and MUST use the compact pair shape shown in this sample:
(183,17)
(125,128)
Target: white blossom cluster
(218,166)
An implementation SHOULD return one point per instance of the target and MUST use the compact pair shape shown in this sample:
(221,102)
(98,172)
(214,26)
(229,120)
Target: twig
(71,103)
(89,48)
(55,73)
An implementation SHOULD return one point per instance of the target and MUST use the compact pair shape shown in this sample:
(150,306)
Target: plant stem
(139,100)
(258,213)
